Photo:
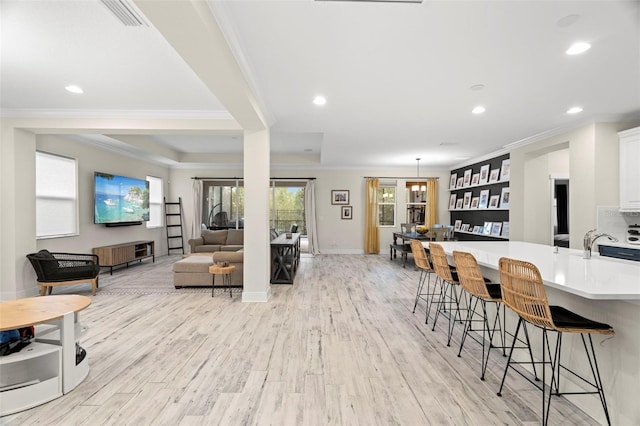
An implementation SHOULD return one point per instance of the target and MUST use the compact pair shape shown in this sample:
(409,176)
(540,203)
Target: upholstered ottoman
(193,271)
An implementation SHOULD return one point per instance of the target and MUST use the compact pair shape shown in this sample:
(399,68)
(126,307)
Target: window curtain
(371,232)
(196,226)
(431,216)
(310,216)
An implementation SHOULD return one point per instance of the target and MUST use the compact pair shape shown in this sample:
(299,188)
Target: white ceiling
(398,77)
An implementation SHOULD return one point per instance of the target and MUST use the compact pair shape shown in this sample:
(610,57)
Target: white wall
(335,235)
(90,160)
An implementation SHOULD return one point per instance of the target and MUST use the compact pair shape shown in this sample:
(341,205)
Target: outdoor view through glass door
(223,204)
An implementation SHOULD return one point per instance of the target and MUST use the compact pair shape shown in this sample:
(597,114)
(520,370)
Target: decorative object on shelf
(474,202)
(496,228)
(494,200)
(347,212)
(484,199)
(340,196)
(467,200)
(477,229)
(493,176)
(452,201)
(484,174)
(465,227)
(457,225)
(467,177)
(475,179)
(504,198)
(452,181)
(459,203)
(504,170)
(422,230)
(486,229)
(505,229)
(459,182)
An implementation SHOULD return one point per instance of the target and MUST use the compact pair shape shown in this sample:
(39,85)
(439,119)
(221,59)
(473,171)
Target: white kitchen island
(601,288)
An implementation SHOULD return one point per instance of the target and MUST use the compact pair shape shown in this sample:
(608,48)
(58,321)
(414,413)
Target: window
(156,197)
(56,196)
(286,205)
(387,204)
(416,200)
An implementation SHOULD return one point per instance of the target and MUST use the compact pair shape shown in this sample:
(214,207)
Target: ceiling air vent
(125,12)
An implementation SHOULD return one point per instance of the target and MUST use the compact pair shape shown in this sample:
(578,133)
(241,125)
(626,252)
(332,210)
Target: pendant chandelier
(417,187)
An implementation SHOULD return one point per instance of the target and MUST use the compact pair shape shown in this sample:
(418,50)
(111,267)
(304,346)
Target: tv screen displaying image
(120,199)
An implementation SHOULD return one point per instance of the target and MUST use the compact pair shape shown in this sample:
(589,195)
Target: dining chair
(421,260)
(523,292)
(480,292)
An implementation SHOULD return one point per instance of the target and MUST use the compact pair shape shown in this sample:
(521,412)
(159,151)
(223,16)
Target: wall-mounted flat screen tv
(120,200)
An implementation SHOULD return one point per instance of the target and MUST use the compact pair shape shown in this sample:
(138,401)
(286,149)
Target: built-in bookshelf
(479,200)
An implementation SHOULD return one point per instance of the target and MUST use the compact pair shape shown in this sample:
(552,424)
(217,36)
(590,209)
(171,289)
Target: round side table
(226,272)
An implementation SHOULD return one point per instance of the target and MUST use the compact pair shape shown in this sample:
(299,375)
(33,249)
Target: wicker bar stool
(449,280)
(523,292)
(422,262)
(480,292)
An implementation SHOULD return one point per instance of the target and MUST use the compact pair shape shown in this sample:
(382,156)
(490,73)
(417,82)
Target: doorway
(560,210)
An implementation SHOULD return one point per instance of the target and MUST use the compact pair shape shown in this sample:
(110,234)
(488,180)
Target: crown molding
(116,114)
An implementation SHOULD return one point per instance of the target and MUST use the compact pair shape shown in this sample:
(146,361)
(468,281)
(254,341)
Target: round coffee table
(226,272)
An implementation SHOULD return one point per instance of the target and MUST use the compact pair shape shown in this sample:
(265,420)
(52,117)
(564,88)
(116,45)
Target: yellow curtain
(371,233)
(431,216)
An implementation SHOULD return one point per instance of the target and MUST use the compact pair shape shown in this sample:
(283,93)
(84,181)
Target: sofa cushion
(235,237)
(218,237)
(208,248)
(230,248)
(193,264)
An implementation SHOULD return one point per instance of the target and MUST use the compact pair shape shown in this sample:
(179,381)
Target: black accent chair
(57,269)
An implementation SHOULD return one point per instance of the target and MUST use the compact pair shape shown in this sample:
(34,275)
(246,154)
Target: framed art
(484,174)
(465,227)
(486,229)
(484,199)
(452,201)
(459,203)
(504,170)
(477,229)
(494,201)
(493,176)
(505,229)
(496,228)
(475,179)
(458,225)
(467,200)
(474,202)
(459,182)
(347,212)
(340,196)
(504,198)
(467,177)
(453,180)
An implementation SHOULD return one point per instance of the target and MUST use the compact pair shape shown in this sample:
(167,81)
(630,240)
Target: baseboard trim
(256,296)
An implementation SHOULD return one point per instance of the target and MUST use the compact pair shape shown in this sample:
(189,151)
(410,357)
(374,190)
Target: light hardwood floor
(339,347)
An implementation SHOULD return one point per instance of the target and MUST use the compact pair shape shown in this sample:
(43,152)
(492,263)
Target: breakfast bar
(601,288)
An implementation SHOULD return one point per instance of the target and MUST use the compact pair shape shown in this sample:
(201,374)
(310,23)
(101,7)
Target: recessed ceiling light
(578,48)
(319,100)
(478,110)
(574,110)
(74,89)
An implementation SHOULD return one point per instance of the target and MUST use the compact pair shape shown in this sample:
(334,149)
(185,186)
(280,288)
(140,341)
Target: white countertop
(599,278)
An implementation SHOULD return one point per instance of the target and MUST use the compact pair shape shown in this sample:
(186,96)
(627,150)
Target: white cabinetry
(630,170)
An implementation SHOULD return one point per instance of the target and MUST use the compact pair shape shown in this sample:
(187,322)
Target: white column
(17,212)
(257,265)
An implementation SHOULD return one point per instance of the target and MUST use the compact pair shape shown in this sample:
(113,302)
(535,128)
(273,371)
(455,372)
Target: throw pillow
(215,237)
(235,237)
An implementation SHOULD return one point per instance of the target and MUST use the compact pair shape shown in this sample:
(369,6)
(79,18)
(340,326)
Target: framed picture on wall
(494,201)
(452,201)
(504,170)
(467,177)
(493,176)
(453,180)
(459,182)
(457,225)
(474,202)
(496,228)
(504,198)
(340,196)
(459,203)
(484,199)
(475,179)
(347,212)
(484,174)
(465,227)
(467,200)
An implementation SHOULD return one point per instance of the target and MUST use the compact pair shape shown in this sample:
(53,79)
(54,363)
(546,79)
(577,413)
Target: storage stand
(125,253)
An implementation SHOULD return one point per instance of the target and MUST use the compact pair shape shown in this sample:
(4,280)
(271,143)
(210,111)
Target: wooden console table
(46,368)
(125,253)
(285,258)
